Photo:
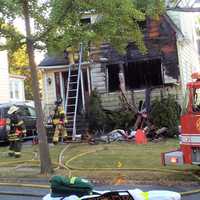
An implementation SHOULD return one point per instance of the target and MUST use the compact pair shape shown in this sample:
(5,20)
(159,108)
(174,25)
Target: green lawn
(129,154)
(97,161)
(132,157)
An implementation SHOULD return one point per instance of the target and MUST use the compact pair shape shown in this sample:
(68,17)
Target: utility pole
(45,160)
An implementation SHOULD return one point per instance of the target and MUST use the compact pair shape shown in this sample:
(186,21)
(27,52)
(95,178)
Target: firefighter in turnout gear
(59,121)
(16,130)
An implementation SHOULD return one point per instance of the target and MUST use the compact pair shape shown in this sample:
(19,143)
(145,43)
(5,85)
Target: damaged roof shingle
(53,61)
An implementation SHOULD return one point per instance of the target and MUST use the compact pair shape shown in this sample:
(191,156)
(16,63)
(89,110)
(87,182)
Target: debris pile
(152,120)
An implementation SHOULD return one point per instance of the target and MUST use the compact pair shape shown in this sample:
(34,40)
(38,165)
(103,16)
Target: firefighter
(16,129)
(59,121)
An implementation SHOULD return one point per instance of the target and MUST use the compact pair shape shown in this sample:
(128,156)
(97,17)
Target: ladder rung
(72,82)
(71,105)
(69,113)
(72,90)
(71,97)
(70,116)
(73,75)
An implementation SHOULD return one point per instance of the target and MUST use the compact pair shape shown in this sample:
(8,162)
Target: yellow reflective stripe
(72,180)
(145,195)
(19,123)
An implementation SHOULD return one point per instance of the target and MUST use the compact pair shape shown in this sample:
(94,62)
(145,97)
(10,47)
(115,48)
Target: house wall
(160,40)
(4,77)
(186,45)
(111,101)
(98,77)
(48,91)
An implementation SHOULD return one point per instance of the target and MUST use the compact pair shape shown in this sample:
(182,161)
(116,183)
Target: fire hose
(69,168)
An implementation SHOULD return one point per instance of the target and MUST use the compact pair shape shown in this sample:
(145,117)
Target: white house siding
(4,77)
(188,61)
(98,77)
(186,45)
(48,90)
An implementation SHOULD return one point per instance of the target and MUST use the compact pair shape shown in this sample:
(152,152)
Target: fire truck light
(173,160)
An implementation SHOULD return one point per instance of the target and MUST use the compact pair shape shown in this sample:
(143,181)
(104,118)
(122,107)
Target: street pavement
(43,192)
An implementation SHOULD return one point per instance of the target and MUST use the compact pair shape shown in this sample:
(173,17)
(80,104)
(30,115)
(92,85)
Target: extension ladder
(72,95)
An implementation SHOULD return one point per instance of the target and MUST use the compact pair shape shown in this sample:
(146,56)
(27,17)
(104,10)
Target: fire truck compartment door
(173,158)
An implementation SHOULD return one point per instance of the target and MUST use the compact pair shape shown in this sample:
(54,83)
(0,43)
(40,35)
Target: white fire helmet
(13,109)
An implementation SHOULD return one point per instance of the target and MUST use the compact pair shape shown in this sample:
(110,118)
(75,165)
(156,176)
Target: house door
(84,88)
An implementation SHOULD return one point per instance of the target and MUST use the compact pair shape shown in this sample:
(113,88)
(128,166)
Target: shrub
(120,119)
(101,120)
(166,113)
(95,115)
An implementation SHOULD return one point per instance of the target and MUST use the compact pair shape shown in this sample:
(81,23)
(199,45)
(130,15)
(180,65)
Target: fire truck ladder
(72,95)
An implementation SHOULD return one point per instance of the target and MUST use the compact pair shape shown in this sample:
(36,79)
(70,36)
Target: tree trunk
(45,159)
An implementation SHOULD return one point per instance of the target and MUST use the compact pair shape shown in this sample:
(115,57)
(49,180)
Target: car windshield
(32,111)
(24,111)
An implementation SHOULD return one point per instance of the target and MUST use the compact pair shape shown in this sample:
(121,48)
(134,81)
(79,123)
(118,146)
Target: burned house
(158,69)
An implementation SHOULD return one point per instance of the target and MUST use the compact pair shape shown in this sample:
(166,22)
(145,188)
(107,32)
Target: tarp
(65,186)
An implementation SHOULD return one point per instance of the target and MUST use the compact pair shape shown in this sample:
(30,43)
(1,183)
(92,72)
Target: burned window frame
(143,82)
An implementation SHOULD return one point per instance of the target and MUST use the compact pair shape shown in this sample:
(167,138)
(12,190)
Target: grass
(29,152)
(128,155)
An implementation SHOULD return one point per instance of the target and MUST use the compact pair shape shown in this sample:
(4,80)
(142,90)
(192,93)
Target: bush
(120,119)
(166,113)
(101,120)
(95,115)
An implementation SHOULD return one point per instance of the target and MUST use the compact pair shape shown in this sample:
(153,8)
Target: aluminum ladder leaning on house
(72,94)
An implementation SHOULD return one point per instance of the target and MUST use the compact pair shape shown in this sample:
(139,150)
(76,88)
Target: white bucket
(138,194)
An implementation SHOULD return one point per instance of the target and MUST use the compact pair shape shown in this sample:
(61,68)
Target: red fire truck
(189,152)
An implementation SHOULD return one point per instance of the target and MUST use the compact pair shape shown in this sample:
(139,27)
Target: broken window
(139,75)
(113,77)
(86,20)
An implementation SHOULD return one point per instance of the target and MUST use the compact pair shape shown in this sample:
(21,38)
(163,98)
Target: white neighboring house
(187,47)
(11,86)
(4,77)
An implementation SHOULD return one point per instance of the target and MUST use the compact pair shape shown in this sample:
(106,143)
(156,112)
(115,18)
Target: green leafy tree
(58,26)
(10,10)
(18,64)
(117,22)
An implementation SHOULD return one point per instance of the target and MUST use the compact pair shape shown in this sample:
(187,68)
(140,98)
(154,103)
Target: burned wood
(161,131)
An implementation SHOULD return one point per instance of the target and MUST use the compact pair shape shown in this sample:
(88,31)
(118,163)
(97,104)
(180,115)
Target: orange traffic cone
(140,137)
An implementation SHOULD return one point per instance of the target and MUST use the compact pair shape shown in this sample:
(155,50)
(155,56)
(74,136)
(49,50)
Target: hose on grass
(129,169)
(70,168)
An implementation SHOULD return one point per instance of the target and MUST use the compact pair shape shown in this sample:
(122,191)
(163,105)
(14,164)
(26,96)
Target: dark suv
(27,113)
